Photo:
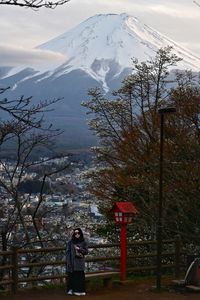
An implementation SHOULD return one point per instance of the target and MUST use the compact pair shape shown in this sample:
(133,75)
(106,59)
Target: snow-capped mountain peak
(107,40)
(97,52)
(94,44)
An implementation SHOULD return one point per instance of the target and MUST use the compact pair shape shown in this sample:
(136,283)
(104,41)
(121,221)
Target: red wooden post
(123,251)
(123,215)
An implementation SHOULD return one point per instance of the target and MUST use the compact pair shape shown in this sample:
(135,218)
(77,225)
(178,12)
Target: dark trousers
(76,281)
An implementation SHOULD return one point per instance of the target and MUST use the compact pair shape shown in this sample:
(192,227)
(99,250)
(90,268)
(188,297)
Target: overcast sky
(22,29)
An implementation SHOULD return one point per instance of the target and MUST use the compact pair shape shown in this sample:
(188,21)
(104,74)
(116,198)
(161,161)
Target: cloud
(16,56)
(177,11)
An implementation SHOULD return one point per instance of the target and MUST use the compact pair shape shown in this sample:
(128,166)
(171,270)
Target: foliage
(128,127)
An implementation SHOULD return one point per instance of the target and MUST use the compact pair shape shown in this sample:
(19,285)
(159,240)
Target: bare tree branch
(35,4)
(195,2)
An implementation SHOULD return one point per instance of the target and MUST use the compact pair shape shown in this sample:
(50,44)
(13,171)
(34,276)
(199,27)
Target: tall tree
(128,128)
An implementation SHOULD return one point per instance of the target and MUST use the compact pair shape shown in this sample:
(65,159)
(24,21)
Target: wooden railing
(102,257)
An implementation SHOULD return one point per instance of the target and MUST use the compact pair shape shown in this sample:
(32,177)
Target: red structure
(123,215)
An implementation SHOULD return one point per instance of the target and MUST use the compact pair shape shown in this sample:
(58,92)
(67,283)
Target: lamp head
(167,110)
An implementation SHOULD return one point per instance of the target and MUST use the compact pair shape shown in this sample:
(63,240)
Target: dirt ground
(129,291)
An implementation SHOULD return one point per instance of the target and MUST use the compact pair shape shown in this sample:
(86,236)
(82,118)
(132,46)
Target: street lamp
(162,112)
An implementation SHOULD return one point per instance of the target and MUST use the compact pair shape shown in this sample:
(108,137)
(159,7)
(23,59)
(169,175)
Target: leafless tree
(23,126)
(25,129)
(35,4)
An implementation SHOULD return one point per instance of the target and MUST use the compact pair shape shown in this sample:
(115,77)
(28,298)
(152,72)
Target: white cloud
(177,11)
(14,56)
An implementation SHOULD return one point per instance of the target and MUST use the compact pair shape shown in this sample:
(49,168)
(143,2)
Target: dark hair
(81,237)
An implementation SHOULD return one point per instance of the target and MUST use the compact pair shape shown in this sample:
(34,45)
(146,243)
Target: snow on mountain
(97,53)
(95,44)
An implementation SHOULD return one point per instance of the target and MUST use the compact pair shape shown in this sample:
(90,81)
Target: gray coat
(72,262)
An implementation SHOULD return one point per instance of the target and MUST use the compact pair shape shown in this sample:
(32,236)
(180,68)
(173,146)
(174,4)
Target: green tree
(128,128)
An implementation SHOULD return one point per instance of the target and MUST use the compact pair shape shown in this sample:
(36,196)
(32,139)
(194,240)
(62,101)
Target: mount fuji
(97,52)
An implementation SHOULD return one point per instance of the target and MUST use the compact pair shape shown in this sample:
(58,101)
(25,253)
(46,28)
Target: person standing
(75,263)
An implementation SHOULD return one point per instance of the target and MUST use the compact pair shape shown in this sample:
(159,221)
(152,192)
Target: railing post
(15,270)
(177,257)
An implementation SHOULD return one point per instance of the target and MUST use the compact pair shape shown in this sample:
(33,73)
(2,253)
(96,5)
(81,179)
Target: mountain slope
(98,53)
(102,41)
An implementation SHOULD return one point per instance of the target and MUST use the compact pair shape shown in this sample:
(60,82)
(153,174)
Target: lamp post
(162,112)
